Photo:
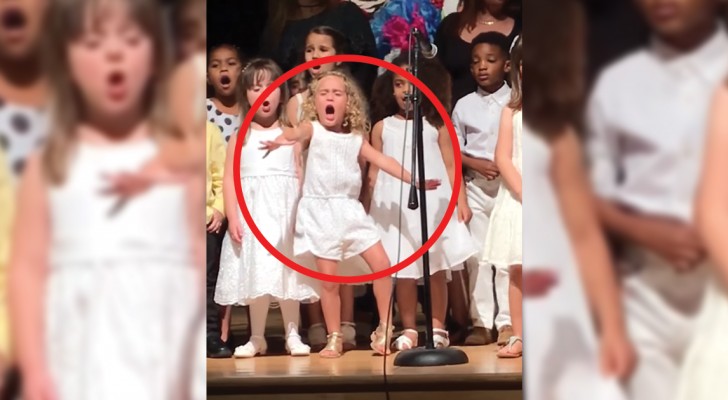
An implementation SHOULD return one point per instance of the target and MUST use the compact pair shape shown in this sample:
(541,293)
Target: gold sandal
(334,346)
(381,338)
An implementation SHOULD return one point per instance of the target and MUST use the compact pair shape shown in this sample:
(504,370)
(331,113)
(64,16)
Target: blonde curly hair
(356,119)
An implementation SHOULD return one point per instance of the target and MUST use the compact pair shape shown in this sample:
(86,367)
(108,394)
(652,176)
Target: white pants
(661,306)
(483,276)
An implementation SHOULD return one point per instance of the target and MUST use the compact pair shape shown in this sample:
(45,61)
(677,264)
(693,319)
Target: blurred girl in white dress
(106,299)
(568,275)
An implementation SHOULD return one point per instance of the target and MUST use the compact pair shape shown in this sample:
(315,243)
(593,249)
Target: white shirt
(476,118)
(647,122)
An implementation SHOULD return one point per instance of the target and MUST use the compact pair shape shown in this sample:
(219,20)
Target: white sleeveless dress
(561,346)
(123,309)
(503,243)
(455,245)
(331,222)
(270,188)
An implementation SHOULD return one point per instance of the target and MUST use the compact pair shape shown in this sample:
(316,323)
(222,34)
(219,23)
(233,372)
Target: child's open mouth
(316,69)
(13,19)
(13,22)
(266,106)
(225,81)
(330,113)
(117,89)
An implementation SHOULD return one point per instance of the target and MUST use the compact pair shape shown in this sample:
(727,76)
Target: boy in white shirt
(647,121)
(476,118)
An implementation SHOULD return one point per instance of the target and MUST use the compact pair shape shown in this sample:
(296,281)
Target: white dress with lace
(331,221)
(503,244)
(271,191)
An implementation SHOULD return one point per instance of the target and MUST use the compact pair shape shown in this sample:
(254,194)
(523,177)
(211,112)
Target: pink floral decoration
(438,3)
(396,30)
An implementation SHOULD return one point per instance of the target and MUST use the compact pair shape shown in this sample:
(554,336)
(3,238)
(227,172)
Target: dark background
(615,28)
(238,22)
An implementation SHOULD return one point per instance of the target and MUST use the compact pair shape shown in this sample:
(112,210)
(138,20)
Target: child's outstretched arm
(391,166)
(578,207)
(448,157)
(504,153)
(290,136)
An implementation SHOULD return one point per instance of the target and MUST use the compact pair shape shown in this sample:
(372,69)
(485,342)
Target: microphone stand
(428,356)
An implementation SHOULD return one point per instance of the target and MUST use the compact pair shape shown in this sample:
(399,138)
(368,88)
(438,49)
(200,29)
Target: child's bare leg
(347,316)
(514,348)
(347,303)
(378,261)
(330,299)
(331,306)
(438,289)
(406,290)
(315,315)
(458,298)
(225,323)
(316,327)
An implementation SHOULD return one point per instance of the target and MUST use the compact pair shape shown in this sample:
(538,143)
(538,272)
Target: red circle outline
(344,58)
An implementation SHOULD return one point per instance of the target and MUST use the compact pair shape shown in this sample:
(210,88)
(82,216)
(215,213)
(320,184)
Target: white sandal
(256,345)
(404,342)
(295,347)
(348,330)
(441,338)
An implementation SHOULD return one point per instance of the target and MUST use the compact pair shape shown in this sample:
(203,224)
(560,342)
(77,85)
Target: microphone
(429,50)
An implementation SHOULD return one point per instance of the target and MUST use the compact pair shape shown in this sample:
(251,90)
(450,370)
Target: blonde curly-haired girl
(331,223)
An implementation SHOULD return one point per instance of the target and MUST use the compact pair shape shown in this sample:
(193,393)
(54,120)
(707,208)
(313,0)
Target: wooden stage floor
(358,375)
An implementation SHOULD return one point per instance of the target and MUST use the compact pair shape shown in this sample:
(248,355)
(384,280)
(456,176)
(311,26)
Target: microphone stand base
(423,357)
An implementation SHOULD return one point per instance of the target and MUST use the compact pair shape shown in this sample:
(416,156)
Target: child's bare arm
(448,157)
(712,207)
(290,136)
(228,190)
(28,269)
(504,153)
(292,111)
(391,166)
(373,172)
(579,211)
(578,208)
